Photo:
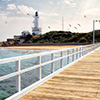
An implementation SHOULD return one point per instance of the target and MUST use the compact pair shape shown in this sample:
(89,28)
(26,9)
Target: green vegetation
(61,37)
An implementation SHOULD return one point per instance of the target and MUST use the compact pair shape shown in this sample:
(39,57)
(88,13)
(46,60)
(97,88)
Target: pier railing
(72,55)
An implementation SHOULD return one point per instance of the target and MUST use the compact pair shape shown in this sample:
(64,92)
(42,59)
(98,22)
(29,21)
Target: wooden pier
(79,82)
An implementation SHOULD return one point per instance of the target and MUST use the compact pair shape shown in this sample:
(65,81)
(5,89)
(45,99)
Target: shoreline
(39,47)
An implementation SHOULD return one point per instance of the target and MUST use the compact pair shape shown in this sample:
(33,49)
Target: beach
(40,47)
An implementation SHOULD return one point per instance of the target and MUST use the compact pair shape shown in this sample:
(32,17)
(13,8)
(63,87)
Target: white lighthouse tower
(36,30)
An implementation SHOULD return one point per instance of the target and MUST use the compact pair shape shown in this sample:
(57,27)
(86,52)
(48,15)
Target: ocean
(8,86)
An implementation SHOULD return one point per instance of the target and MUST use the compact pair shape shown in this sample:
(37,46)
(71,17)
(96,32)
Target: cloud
(11,6)
(92,12)
(67,2)
(3,17)
(51,2)
(7,0)
(58,3)
(14,26)
(0,7)
(18,12)
(70,3)
(53,14)
(25,9)
(50,14)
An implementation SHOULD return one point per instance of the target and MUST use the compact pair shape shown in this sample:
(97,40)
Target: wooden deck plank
(79,82)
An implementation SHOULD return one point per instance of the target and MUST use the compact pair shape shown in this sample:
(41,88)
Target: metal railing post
(39,69)
(73,52)
(77,53)
(80,52)
(73,55)
(52,64)
(18,77)
(61,62)
(68,57)
(92,47)
(93,31)
(85,50)
(89,48)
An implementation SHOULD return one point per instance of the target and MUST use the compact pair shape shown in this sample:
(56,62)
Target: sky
(18,15)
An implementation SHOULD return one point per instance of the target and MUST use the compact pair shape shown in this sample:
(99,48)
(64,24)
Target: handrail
(12,59)
(77,52)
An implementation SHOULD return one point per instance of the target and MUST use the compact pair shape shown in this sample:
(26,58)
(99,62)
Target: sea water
(8,86)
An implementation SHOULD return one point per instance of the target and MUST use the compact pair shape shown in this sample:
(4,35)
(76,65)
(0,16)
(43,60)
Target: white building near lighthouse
(36,30)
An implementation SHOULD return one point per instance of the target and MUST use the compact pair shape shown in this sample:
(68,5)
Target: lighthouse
(36,30)
(36,19)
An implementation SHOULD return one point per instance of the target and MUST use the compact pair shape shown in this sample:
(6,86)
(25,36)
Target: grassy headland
(61,37)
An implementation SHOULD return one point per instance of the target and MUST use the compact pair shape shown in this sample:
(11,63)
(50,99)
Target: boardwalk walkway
(79,82)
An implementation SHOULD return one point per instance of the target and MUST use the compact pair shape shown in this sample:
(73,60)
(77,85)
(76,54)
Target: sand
(40,47)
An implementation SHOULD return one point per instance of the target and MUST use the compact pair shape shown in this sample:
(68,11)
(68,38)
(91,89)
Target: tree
(33,34)
(83,39)
(28,37)
(61,37)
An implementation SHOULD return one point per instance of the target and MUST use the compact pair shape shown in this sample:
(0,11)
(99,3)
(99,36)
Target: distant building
(36,30)
(16,36)
(4,43)
(0,44)
(24,33)
(11,41)
(19,41)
